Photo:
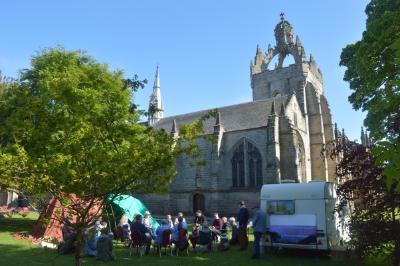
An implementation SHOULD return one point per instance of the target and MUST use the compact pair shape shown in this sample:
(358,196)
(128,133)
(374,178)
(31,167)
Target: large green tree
(373,71)
(69,127)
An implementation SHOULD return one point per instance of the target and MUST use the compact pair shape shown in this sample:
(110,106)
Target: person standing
(243,219)
(259,228)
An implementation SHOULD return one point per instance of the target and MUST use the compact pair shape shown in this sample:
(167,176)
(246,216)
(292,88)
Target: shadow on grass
(16,224)
(25,255)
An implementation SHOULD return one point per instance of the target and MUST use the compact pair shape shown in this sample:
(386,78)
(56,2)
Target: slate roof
(233,118)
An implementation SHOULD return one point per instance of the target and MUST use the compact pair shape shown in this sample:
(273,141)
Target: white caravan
(302,215)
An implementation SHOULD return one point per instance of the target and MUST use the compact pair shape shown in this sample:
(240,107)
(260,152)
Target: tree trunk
(79,246)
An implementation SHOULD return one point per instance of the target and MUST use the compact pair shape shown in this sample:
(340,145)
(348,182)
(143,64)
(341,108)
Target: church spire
(156,108)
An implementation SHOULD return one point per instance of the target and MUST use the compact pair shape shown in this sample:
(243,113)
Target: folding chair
(182,239)
(137,240)
(205,239)
(165,242)
(119,234)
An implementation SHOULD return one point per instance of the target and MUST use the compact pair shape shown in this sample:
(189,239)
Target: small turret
(218,126)
(174,130)
(337,133)
(273,109)
(282,112)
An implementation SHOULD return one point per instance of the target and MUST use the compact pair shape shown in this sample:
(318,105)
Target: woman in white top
(147,220)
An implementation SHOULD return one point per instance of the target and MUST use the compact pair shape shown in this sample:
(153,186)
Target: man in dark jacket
(139,226)
(243,219)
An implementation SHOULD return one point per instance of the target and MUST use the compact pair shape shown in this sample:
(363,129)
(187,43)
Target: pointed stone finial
(273,108)
(218,118)
(336,132)
(282,15)
(303,53)
(311,58)
(259,51)
(174,129)
(282,112)
(269,47)
(217,126)
(343,135)
(298,42)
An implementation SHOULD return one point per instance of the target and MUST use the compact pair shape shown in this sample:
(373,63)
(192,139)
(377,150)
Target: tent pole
(109,222)
(113,214)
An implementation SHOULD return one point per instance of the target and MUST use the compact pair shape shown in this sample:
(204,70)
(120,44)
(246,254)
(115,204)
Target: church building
(277,137)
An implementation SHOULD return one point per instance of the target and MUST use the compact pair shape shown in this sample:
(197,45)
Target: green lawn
(20,252)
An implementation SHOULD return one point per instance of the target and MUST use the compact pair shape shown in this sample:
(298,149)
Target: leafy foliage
(373,71)
(69,127)
(375,220)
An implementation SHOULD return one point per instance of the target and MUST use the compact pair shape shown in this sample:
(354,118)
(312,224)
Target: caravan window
(281,207)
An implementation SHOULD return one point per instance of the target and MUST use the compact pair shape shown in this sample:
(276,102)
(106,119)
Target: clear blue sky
(203,47)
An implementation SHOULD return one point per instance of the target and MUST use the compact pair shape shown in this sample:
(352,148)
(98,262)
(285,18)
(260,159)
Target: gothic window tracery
(246,166)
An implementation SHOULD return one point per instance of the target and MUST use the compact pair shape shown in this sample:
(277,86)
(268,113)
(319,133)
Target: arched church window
(238,167)
(246,166)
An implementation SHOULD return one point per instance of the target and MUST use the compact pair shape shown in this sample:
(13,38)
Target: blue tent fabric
(126,204)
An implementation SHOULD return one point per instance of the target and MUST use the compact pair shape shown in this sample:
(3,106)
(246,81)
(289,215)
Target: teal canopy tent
(125,204)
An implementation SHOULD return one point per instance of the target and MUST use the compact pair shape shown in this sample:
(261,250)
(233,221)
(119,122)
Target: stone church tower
(277,137)
(304,132)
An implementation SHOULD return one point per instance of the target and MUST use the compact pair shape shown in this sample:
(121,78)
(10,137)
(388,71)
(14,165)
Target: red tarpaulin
(49,225)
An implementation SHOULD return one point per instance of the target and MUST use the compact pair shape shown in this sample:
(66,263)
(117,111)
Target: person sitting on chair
(161,229)
(199,219)
(139,226)
(178,227)
(170,222)
(147,221)
(224,241)
(126,227)
(233,226)
(217,226)
(179,235)
(180,214)
(205,235)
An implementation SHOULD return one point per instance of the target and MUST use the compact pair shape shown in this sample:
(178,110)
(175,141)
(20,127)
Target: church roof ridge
(234,117)
(227,106)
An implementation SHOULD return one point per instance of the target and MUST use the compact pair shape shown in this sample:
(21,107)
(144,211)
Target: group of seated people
(144,225)
(202,233)
(98,238)
(218,230)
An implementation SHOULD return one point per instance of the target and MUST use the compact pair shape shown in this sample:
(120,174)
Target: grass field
(21,252)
